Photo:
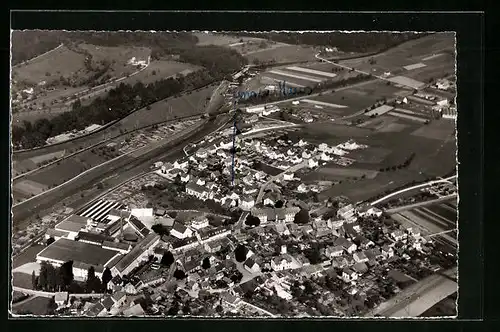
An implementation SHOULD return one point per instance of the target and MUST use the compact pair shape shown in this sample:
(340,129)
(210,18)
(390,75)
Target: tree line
(52,279)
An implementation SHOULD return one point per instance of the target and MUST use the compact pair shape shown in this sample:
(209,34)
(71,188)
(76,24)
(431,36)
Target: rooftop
(138,250)
(64,250)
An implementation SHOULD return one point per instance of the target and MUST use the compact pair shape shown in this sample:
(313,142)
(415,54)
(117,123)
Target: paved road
(117,173)
(419,297)
(412,206)
(430,183)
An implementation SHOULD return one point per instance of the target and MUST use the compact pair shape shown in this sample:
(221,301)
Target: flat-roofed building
(92,238)
(72,225)
(64,250)
(55,234)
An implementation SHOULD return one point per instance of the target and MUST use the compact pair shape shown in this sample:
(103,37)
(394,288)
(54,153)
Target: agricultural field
(337,173)
(408,53)
(27,188)
(391,148)
(49,68)
(290,53)
(66,169)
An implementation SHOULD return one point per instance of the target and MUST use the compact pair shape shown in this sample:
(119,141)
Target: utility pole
(121,224)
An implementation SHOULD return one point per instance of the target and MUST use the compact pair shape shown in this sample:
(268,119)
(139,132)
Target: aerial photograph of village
(233,174)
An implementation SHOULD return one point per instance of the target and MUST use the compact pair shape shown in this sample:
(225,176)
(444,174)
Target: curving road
(430,183)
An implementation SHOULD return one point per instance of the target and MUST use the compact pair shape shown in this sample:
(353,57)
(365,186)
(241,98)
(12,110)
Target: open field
(332,173)
(370,155)
(289,53)
(408,53)
(439,129)
(66,169)
(35,306)
(48,156)
(364,189)
(162,69)
(60,62)
(29,187)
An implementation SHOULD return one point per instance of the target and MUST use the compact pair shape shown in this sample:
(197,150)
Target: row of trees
(53,279)
(403,165)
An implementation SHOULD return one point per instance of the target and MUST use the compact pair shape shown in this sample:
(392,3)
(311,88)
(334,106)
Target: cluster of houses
(208,173)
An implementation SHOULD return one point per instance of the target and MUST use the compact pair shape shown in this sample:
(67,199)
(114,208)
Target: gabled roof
(108,302)
(249,262)
(179,227)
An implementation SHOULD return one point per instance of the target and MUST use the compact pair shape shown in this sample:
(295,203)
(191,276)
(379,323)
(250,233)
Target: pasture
(60,62)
